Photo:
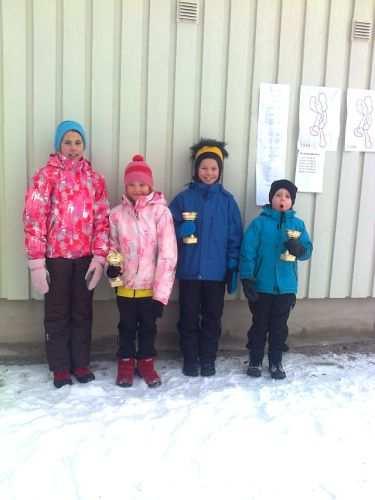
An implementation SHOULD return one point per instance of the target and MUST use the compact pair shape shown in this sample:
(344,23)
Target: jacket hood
(57,160)
(268,211)
(206,188)
(154,198)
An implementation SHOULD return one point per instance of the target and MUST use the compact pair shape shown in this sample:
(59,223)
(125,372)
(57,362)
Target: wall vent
(361,30)
(187,12)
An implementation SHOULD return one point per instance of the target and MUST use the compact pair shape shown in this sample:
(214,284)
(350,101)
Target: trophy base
(190,240)
(116,282)
(287,257)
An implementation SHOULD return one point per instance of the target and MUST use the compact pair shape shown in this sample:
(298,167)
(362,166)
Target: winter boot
(146,370)
(125,372)
(190,368)
(254,369)
(83,375)
(277,371)
(61,378)
(208,368)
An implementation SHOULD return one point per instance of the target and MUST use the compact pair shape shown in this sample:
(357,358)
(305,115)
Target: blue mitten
(231,280)
(186,229)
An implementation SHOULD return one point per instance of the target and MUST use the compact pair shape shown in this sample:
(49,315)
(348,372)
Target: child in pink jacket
(142,230)
(66,224)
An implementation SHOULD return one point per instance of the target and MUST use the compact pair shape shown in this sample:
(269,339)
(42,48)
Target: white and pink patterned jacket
(66,211)
(145,236)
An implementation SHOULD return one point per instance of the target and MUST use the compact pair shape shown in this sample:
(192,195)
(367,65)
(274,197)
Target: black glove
(113,271)
(157,308)
(249,290)
(294,247)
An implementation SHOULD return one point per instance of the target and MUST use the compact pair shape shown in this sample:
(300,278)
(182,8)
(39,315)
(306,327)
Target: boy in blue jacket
(268,270)
(207,259)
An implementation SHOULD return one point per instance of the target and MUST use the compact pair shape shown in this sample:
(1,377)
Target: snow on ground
(311,436)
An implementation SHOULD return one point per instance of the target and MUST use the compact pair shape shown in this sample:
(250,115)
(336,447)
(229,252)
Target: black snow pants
(68,314)
(270,316)
(201,308)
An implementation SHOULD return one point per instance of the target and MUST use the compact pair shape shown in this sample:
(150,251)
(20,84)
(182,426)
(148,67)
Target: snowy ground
(311,436)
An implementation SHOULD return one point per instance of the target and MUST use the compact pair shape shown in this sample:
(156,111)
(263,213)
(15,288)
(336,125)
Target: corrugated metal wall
(141,82)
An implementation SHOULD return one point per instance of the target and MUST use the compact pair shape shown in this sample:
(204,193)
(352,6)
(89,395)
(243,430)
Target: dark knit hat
(208,148)
(283,184)
(138,170)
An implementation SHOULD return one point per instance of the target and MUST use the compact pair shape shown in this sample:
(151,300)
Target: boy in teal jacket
(272,244)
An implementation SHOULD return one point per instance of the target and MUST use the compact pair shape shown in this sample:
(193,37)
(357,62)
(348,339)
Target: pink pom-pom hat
(138,170)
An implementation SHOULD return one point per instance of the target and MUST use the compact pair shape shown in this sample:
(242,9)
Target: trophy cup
(191,239)
(115,259)
(286,256)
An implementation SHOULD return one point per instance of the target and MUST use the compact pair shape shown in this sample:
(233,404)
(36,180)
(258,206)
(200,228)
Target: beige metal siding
(16,145)
(140,82)
(337,39)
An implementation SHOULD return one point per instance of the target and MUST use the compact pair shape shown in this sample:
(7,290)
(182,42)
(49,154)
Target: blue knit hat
(65,127)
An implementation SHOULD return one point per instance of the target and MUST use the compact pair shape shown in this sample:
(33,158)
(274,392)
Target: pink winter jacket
(66,211)
(145,236)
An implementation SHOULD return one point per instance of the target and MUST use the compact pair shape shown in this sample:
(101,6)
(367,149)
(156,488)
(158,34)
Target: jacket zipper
(276,288)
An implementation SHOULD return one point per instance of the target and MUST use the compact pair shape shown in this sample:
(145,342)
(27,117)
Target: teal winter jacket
(262,246)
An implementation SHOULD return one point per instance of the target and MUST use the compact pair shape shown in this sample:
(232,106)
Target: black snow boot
(277,371)
(208,368)
(190,368)
(254,370)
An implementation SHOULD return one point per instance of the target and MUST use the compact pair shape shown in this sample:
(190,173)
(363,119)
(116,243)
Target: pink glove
(39,275)
(94,272)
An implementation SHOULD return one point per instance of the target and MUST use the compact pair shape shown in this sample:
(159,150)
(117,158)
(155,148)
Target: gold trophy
(286,256)
(115,259)
(191,239)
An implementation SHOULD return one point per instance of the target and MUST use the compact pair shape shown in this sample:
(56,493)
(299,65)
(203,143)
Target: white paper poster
(310,171)
(360,121)
(319,118)
(272,137)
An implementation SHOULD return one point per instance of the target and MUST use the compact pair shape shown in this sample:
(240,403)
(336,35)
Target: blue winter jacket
(218,228)
(262,246)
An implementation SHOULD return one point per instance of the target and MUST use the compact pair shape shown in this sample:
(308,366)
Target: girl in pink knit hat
(142,231)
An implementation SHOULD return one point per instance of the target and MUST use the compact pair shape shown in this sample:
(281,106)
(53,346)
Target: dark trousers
(201,309)
(137,328)
(270,315)
(68,314)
